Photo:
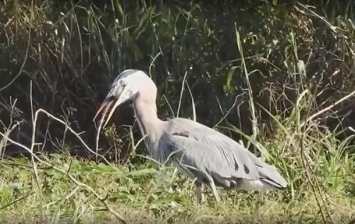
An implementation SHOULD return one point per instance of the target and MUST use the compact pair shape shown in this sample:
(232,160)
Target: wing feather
(213,154)
(210,151)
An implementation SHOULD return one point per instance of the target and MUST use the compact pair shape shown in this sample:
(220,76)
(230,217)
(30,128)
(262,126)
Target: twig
(78,183)
(7,133)
(250,90)
(327,108)
(230,109)
(34,165)
(71,130)
(65,198)
(315,186)
(15,201)
(23,63)
(181,93)
(192,102)
(161,51)
(332,27)
(152,63)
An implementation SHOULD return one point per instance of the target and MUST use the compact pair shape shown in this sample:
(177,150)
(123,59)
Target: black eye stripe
(122,83)
(111,98)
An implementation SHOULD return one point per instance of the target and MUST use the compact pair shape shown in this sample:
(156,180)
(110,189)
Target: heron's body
(202,153)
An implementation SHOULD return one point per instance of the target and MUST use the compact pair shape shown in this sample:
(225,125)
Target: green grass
(143,194)
(59,188)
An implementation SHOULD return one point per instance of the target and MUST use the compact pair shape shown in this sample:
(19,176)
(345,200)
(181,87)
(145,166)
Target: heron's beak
(109,105)
(105,106)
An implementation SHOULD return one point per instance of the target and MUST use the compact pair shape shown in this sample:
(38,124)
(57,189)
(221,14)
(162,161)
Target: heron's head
(127,86)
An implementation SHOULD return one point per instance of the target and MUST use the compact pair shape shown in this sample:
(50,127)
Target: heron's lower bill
(106,106)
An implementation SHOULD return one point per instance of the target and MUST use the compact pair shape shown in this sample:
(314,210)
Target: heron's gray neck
(149,123)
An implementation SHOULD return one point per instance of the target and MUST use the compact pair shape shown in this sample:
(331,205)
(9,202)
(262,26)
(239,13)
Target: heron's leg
(199,195)
(214,191)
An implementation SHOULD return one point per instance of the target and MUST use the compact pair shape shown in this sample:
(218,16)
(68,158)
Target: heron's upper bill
(108,106)
(105,108)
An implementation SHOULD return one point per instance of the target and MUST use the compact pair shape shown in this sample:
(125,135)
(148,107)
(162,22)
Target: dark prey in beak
(107,106)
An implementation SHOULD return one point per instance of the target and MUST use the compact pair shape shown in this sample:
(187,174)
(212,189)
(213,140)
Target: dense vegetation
(278,76)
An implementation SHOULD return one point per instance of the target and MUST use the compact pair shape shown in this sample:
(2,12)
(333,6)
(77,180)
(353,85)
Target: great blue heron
(200,152)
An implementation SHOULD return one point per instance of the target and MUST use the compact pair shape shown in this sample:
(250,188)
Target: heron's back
(215,154)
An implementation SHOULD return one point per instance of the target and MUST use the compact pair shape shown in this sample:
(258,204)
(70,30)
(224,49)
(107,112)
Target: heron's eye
(122,83)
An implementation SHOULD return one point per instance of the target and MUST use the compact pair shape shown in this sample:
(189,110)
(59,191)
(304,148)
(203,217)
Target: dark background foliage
(63,56)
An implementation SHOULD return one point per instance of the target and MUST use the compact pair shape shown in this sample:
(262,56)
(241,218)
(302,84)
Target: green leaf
(230,77)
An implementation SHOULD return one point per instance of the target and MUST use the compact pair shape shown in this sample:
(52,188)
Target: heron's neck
(146,115)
